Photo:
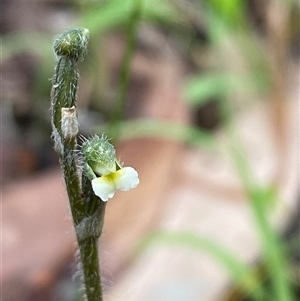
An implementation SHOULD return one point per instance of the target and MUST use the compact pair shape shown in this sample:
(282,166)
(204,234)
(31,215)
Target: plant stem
(64,88)
(89,259)
(86,208)
(72,181)
(274,255)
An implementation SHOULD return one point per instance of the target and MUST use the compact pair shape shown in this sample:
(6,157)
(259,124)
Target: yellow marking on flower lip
(111,177)
(123,179)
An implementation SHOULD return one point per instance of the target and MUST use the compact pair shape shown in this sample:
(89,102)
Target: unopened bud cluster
(72,43)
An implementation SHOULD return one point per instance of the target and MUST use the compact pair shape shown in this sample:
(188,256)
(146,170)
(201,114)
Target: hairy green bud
(100,155)
(72,43)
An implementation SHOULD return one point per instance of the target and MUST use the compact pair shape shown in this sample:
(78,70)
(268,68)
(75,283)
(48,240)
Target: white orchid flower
(124,179)
(106,173)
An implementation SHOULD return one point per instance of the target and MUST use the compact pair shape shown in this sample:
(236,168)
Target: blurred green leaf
(202,88)
(231,11)
(116,13)
(104,16)
(16,43)
(239,272)
(274,253)
(162,11)
(169,130)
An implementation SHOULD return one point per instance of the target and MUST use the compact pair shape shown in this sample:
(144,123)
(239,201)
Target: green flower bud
(100,155)
(72,43)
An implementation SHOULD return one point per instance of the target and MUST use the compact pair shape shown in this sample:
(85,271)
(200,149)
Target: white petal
(103,188)
(127,178)
(105,169)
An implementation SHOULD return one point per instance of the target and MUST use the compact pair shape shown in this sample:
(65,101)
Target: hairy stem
(64,88)
(72,181)
(89,259)
(86,208)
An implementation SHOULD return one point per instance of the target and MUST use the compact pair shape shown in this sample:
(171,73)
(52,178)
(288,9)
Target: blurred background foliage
(226,46)
(234,53)
(228,49)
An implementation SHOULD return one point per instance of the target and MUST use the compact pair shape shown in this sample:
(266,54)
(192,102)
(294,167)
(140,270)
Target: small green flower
(109,175)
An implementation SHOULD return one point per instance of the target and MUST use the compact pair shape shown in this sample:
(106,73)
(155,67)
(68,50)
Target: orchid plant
(91,172)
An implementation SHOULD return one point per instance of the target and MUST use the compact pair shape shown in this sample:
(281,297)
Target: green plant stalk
(72,181)
(87,209)
(274,254)
(273,251)
(88,241)
(118,113)
(89,258)
(275,258)
(64,88)
(243,275)
(88,244)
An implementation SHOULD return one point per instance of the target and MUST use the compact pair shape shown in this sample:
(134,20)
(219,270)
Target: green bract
(99,154)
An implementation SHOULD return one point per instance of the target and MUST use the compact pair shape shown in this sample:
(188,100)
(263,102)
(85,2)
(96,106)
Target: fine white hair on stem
(80,161)
(77,265)
(58,145)
(88,227)
(82,139)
